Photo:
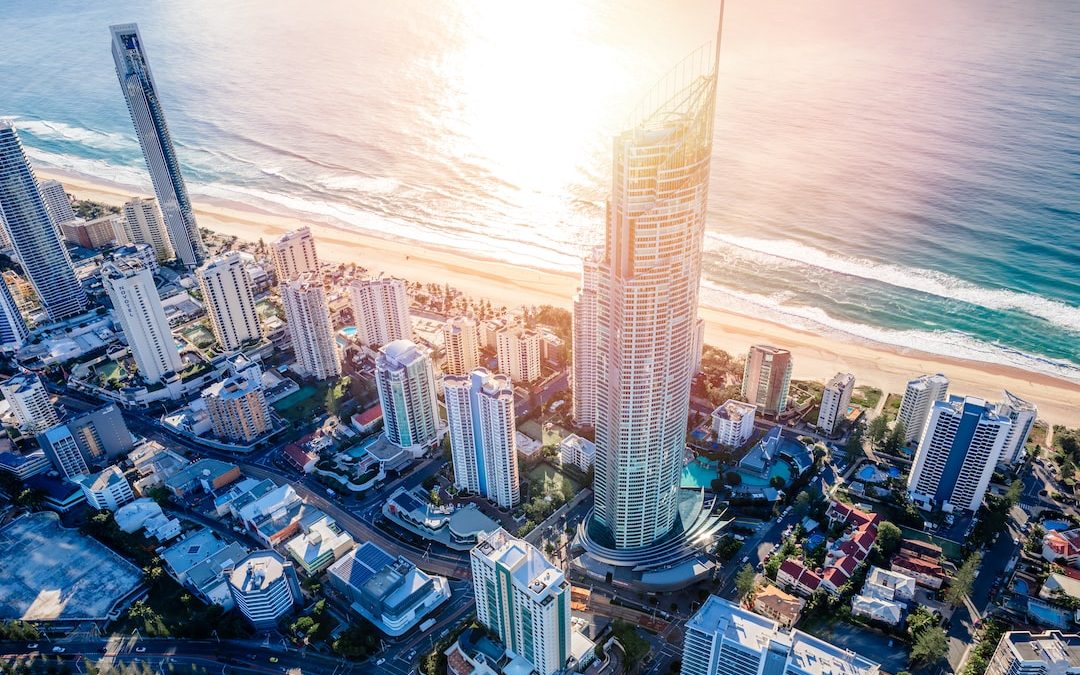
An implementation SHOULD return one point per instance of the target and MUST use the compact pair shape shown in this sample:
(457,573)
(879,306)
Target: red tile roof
(851,515)
(368,416)
(297,455)
(917,564)
(800,574)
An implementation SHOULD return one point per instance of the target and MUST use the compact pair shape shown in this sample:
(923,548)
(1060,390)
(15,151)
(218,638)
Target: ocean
(900,172)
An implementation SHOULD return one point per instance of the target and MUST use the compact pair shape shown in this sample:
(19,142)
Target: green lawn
(199,335)
(543,471)
(950,549)
(300,404)
(892,405)
(552,436)
(866,397)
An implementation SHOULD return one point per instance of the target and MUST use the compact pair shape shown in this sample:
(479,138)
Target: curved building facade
(264,587)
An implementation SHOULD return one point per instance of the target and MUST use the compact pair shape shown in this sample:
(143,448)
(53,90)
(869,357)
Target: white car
(140,650)
(32,645)
(380,662)
(58,649)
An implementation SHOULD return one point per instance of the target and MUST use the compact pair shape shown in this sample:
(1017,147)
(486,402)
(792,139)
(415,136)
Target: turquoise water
(699,475)
(357,451)
(348,331)
(902,171)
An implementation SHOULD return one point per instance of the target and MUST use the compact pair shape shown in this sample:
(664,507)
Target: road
(225,656)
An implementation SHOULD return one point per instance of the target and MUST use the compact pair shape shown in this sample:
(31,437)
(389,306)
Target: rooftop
(1052,647)
(257,572)
(210,469)
(525,562)
(734,411)
(103,480)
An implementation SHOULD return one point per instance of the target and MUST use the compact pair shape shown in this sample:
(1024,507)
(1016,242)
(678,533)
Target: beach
(816,357)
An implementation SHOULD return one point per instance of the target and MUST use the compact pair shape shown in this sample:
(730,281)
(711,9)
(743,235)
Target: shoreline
(816,357)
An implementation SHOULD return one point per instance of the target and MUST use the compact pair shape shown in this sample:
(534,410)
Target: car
(140,650)
(1016,542)
(380,662)
(274,659)
(58,650)
(32,645)
(746,559)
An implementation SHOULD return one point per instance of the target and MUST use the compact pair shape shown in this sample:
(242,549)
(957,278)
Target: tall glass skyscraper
(137,83)
(647,300)
(33,236)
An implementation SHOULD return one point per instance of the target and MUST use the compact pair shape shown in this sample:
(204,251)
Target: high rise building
(584,370)
(63,451)
(96,233)
(33,236)
(725,639)
(238,409)
(13,330)
(148,116)
(919,398)
(29,402)
(767,378)
(647,304)
(265,588)
(461,338)
(101,434)
(381,311)
(406,382)
(522,598)
(143,253)
(310,329)
(56,202)
(518,351)
(1024,653)
(229,300)
(961,444)
(143,225)
(480,416)
(294,254)
(137,307)
(835,399)
(1022,414)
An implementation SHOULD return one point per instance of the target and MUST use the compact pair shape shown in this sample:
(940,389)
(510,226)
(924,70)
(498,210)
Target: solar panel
(373,557)
(407,502)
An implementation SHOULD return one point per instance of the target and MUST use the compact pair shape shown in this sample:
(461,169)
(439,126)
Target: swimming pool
(348,331)
(1056,525)
(700,473)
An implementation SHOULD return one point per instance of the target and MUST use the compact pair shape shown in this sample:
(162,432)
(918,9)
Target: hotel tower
(647,300)
(140,92)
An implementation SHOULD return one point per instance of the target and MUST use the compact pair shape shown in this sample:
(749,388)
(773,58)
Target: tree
(888,538)
(1012,495)
(854,445)
(919,620)
(962,582)
(930,646)
(879,427)
(802,504)
(732,478)
(633,644)
(357,641)
(745,581)
(895,440)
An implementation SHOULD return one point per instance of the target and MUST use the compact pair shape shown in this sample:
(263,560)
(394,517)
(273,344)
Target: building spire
(719,36)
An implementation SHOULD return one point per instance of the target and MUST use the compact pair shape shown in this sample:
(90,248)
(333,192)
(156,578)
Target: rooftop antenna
(719,35)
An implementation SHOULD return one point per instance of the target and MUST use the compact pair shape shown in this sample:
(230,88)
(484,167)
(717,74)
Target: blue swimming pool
(348,331)
(700,473)
(1056,525)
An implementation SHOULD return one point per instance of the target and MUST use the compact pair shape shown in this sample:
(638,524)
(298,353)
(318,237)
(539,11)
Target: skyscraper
(294,254)
(767,378)
(919,398)
(522,598)
(961,444)
(583,372)
(647,304)
(230,302)
(405,379)
(835,399)
(33,235)
(518,352)
(63,451)
(310,330)
(461,338)
(143,225)
(137,306)
(1022,414)
(237,407)
(148,116)
(480,416)
(13,330)
(56,201)
(381,311)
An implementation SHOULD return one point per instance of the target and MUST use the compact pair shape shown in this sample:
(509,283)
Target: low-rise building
(107,489)
(24,466)
(369,420)
(459,528)
(201,563)
(60,494)
(889,585)
(319,545)
(299,458)
(1062,545)
(877,609)
(794,575)
(208,474)
(1024,653)
(154,463)
(264,588)
(578,452)
(783,608)
(733,422)
(393,594)
(926,571)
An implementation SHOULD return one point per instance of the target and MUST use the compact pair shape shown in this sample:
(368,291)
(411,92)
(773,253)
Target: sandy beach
(815,356)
